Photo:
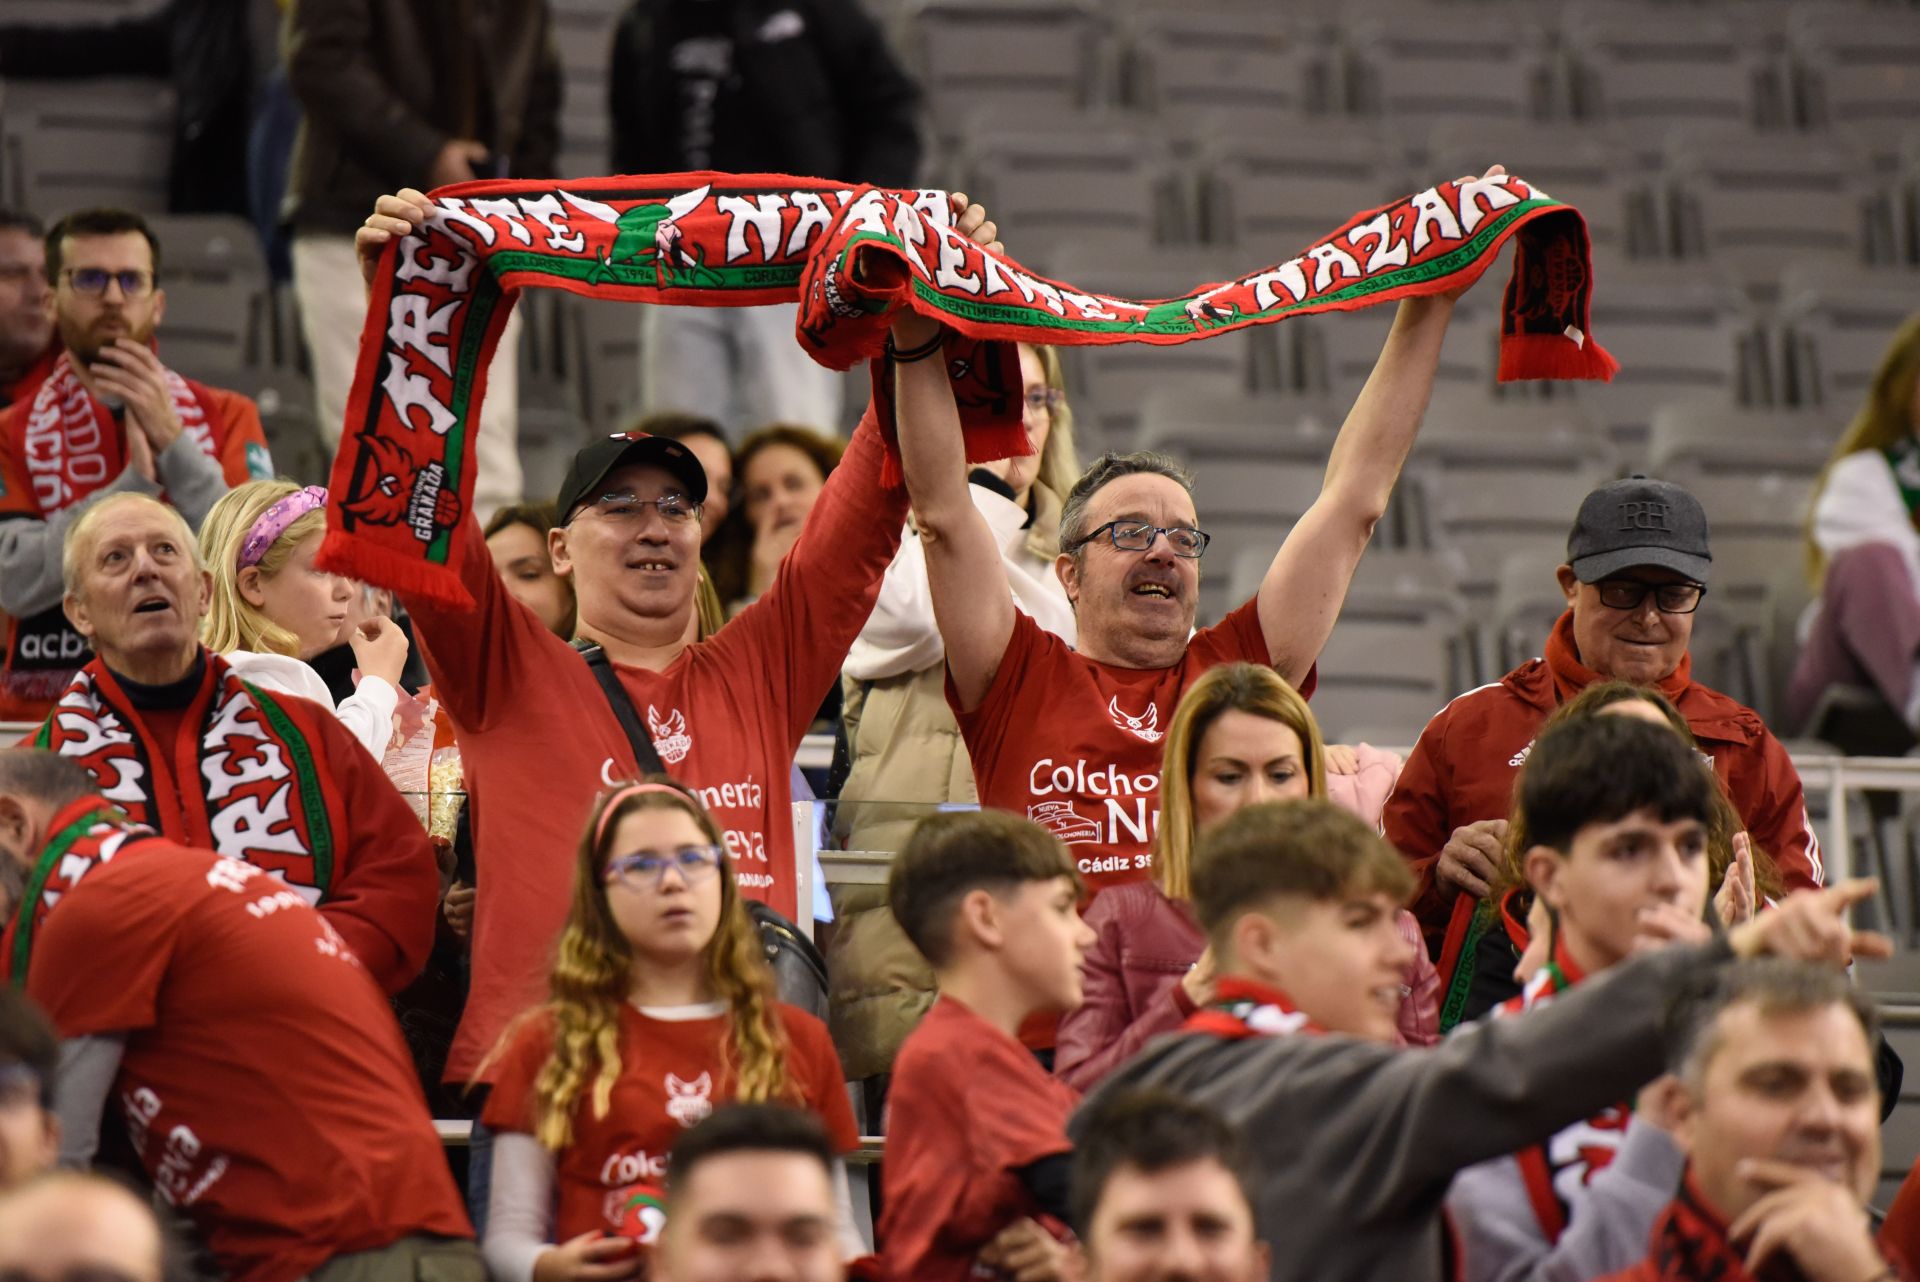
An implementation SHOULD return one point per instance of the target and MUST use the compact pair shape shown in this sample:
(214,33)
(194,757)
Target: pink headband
(620,794)
(273,522)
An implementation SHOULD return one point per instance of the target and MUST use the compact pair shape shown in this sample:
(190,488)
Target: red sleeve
(822,1081)
(1237,638)
(16,491)
(1105,1032)
(484,656)
(1418,823)
(800,630)
(510,1102)
(1015,1120)
(386,881)
(1773,805)
(102,956)
(243,442)
(1900,1234)
(990,724)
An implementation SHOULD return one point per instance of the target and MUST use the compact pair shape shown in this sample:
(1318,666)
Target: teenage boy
(1356,1142)
(1582,1203)
(1163,1192)
(1778,1112)
(976,1134)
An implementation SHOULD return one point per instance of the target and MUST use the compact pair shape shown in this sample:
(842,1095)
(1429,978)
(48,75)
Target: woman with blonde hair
(1240,736)
(661,1007)
(1863,550)
(273,609)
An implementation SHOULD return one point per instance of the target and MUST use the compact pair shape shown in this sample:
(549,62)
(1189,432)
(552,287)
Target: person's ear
(1262,1263)
(1569,583)
(247,583)
(980,917)
(1683,1116)
(1251,939)
(1066,568)
(205,596)
(1543,866)
(75,608)
(557,550)
(17,828)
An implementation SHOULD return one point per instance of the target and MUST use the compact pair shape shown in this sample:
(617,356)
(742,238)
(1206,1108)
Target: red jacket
(1463,769)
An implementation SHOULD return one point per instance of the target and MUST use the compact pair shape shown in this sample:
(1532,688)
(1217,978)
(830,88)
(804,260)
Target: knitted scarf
(85,835)
(1690,1245)
(1570,676)
(240,778)
(404,473)
(1557,1172)
(1241,1009)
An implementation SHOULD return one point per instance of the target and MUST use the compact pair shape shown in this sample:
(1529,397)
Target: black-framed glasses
(93,281)
(1669,598)
(647,869)
(1045,400)
(1138,536)
(627,507)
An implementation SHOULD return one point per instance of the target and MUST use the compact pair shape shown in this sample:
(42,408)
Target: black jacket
(205,48)
(386,83)
(829,100)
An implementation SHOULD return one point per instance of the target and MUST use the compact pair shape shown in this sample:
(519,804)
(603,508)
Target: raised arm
(972,599)
(1301,595)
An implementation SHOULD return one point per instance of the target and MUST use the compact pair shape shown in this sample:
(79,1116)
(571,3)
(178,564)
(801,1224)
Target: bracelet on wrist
(920,353)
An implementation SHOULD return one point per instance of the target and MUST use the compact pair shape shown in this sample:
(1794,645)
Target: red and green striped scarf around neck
(404,473)
(81,837)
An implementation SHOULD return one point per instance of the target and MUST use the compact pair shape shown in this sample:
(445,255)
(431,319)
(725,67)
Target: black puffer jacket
(815,82)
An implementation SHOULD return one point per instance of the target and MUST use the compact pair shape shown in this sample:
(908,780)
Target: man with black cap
(540,735)
(1637,567)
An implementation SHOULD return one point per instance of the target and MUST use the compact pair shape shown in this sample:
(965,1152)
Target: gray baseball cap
(1639,521)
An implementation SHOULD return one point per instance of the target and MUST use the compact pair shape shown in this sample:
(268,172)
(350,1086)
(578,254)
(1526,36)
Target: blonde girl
(1240,736)
(661,1007)
(273,609)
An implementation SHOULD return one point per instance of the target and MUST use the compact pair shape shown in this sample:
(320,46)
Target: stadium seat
(1420,65)
(1526,601)
(285,400)
(605,339)
(1102,176)
(70,144)
(1590,173)
(1335,351)
(1483,511)
(1859,72)
(213,325)
(1045,56)
(1636,66)
(1185,62)
(1274,195)
(1739,441)
(583,37)
(1836,327)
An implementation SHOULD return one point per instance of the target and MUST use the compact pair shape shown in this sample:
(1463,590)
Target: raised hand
(1812,926)
(380,649)
(130,373)
(395,215)
(1735,900)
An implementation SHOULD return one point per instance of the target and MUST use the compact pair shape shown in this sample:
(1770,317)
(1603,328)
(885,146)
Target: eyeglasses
(647,870)
(93,281)
(1670,598)
(675,509)
(1045,400)
(1138,536)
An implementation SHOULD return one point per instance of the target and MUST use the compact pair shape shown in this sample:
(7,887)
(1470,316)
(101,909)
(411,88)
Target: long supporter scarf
(441,298)
(72,446)
(246,784)
(83,836)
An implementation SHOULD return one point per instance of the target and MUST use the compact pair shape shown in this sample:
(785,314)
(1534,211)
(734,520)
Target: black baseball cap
(591,465)
(1639,521)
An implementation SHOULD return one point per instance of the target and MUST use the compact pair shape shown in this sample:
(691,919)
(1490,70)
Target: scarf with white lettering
(1556,1174)
(83,836)
(256,788)
(404,473)
(72,447)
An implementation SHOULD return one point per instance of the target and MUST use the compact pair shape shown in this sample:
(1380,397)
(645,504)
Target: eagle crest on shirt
(670,737)
(690,1103)
(1145,726)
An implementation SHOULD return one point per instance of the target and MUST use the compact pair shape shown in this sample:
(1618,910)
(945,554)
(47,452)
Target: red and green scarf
(1241,1009)
(85,835)
(1690,1245)
(242,776)
(404,473)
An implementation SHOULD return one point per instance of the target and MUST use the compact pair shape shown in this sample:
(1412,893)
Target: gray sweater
(1356,1143)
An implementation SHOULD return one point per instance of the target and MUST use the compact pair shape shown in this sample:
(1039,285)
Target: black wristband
(920,353)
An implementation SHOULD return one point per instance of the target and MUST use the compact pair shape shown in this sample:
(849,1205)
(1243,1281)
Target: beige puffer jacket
(906,747)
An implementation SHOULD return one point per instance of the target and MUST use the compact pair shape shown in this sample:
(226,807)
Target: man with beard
(27,349)
(110,418)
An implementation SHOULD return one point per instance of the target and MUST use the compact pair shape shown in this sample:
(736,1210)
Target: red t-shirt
(538,741)
(672,1074)
(265,1084)
(1074,744)
(969,1107)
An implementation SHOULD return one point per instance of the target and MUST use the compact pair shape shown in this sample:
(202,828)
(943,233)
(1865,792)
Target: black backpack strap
(622,705)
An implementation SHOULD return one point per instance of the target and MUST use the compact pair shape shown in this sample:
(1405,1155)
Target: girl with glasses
(661,1008)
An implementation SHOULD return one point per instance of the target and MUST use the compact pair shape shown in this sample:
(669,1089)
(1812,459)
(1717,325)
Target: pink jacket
(1144,943)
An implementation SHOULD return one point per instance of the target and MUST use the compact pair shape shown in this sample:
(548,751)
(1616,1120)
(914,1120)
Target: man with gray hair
(1777,1109)
(1070,736)
(178,742)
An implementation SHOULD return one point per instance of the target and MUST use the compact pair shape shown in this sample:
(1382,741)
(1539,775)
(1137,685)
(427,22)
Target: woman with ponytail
(661,1007)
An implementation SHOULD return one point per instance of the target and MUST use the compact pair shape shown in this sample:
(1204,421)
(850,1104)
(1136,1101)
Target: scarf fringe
(1536,356)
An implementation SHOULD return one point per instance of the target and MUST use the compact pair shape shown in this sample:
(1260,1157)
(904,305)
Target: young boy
(1615,854)
(976,1134)
(1355,1141)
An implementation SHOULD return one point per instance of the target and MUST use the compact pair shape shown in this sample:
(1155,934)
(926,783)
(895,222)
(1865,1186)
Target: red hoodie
(1463,769)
